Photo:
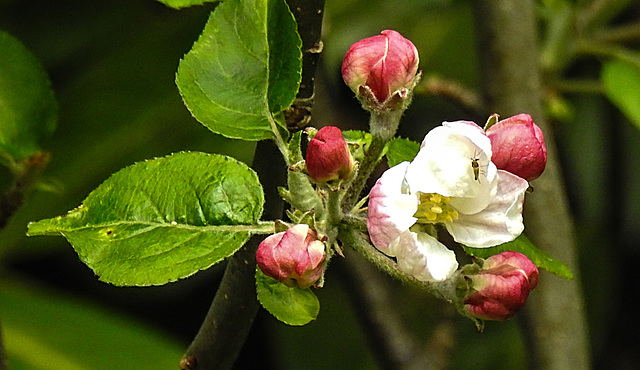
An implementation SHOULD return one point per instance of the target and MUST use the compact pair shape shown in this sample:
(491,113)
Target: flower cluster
(452,181)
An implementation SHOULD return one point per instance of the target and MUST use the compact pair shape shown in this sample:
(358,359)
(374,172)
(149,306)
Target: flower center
(435,208)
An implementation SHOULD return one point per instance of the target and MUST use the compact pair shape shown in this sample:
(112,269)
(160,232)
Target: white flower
(451,181)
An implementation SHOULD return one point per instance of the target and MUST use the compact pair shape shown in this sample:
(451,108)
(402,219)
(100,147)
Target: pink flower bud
(295,254)
(501,287)
(384,63)
(518,146)
(328,157)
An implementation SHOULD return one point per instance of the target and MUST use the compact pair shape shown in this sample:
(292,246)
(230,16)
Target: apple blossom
(501,287)
(453,182)
(518,146)
(295,254)
(328,157)
(381,66)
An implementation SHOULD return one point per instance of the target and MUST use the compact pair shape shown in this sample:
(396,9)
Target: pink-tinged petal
(518,146)
(423,256)
(328,157)
(385,63)
(500,289)
(270,260)
(390,211)
(293,254)
(500,222)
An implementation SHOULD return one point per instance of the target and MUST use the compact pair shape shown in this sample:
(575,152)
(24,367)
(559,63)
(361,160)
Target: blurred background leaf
(27,104)
(622,85)
(44,329)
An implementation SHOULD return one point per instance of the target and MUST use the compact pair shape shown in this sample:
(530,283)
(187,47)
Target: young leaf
(177,4)
(291,305)
(28,109)
(400,150)
(523,245)
(165,219)
(244,69)
(622,86)
(358,141)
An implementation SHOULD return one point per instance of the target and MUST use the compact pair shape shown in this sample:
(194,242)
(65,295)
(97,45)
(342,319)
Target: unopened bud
(382,66)
(328,157)
(500,289)
(518,146)
(295,254)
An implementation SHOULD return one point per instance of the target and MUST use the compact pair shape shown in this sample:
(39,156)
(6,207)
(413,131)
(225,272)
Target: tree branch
(510,67)
(229,319)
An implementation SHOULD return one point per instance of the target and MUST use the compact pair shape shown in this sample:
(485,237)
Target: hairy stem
(510,68)
(383,126)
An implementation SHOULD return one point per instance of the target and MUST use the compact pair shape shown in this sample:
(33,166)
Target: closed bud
(295,254)
(518,146)
(500,289)
(381,66)
(328,157)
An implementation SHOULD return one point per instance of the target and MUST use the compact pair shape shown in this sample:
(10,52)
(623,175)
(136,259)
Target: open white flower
(451,181)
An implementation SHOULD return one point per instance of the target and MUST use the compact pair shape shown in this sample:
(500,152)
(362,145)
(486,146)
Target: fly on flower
(477,168)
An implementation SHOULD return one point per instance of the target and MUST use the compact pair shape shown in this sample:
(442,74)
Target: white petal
(474,132)
(390,211)
(423,257)
(500,222)
(445,165)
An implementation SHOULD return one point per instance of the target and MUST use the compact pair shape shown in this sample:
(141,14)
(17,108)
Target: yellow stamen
(434,208)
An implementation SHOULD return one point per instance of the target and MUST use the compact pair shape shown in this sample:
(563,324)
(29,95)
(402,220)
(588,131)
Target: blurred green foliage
(112,66)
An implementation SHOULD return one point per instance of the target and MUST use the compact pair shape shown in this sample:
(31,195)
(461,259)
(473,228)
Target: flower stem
(383,126)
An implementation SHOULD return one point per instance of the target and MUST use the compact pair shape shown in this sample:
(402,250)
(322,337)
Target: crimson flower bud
(501,287)
(518,146)
(384,64)
(328,157)
(295,254)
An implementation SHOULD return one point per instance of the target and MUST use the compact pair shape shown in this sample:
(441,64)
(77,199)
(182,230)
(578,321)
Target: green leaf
(621,81)
(28,109)
(165,219)
(291,305)
(177,4)
(358,141)
(295,148)
(43,331)
(244,69)
(523,245)
(400,150)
